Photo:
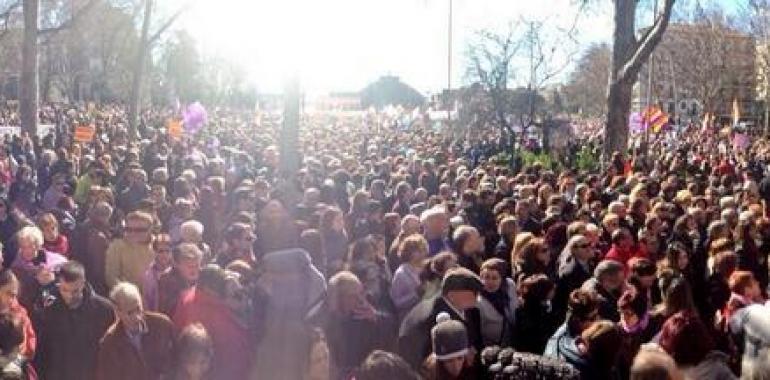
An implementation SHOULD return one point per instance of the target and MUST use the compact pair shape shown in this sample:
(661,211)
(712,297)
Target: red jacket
(623,256)
(232,343)
(30,339)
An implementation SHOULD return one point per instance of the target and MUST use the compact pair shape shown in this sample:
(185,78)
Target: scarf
(638,327)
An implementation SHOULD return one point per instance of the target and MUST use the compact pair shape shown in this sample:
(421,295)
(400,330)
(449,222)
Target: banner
(174,128)
(84,133)
(655,118)
(636,122)
(42,130)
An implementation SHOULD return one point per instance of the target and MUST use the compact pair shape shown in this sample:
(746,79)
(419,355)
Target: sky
(342,45)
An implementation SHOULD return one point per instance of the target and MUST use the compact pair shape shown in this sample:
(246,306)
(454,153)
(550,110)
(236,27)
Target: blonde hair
(31,233)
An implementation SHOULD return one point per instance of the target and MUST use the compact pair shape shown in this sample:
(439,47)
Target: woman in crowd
(406,281)
(536,320)
(497,304)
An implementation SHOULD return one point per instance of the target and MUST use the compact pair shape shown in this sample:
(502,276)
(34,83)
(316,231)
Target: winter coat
(752,325)
(608,302)
(535,324)
(712,367)
(68,339)
(414,343)
(572,275)
(89,247)
(404,291)
(127,262)
(497,328)
(294,287)
(232,343)
(26,272)
(171,286)
(563,346)
(119,359)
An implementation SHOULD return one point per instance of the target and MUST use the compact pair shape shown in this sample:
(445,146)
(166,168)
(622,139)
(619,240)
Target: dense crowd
(391,253)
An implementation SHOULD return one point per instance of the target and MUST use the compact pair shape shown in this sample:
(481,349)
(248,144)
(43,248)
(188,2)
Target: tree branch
(79,13)
(169,22)
(645,46)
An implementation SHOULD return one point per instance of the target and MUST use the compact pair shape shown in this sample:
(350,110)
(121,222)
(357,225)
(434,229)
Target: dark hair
(213,278)
(642,267)
(235,231)
(193,339)
(686,338)
(581,304)
(7,277)
(740,280)
(72,271)
(634,300)
(11,333)
(535,288)
(381,365)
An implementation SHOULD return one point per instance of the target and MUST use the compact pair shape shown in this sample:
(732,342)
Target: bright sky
(342,45)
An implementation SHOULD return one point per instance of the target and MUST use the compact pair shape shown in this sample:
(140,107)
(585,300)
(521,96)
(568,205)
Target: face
(454,366)
(137,231)
(463,299)
(189,268)
(8,295)
(582,250)
(682,260)
(197,364)
(543,256)
(491,280)
(50,231)
(131,314)
(72,292)
(163,254)
(27,249)
(475,244)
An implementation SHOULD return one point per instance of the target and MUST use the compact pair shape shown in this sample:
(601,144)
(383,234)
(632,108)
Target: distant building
(700,68)
(389,90)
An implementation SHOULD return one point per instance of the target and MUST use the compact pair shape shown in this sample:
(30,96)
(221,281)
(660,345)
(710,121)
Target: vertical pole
(449,69)
(289,154)
(650,73)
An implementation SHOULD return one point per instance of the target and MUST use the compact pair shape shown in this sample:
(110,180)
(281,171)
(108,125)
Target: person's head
(602,340)
(643,272)
(743,283)
(435,222)
(161,245)
(49,225)
(461,286)
(345,293)
(534,255)
(239,237)
(450,345)
(9,290)
(413,249)
(138,226)
(492,274)
(580,248)
(508,228)
(686,338)
(29,240)
(72,283)
(632,306)
(653,364)
(611,223)
(622,239)
(191,231)
(467,241)
(725,263)
(410,224)
(127,301)
(677,257)
(187,261)
(583,308)
(536,289)
(100,213)
(382,365)
(332,220)
(676,293)
(194,351)
(610,274)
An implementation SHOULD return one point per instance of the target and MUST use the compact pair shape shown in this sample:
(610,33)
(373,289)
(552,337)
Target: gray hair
(32,234)
(125,291)
(607,268)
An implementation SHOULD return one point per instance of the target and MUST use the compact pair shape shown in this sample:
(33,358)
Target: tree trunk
(135,99)
(28,91)
(628,55)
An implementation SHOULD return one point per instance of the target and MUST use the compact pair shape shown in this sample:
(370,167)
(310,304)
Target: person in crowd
(239,240)
(623,248)
(34,267)
(128,258)
(435,223)
(351,325)
(11,221)
(469,246)
(172,284)
(497,303)
(69,326)
(193,354)
(459,290)
(335,239)
(607,283)
(53,240)
(576,270)
(451,358)
(9,305)
(532,258)
(635,326)
(600,345)
(652,363)
(382,365)
(206,304)
(507,229)
(367,262)
(536,319)
(405,289)
(687,340)
(139,344)
(583,310)
(161,264)
(676,295)
(90,242)
(744,291)
(433,272)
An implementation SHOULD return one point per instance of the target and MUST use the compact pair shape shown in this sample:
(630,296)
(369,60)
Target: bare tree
(758,14)
(586,88)
(629,52)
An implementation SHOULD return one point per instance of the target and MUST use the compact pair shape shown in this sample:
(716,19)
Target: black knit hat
(461,279)
(450,340)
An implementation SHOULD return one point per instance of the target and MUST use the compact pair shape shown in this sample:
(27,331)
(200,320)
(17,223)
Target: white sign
(42,130)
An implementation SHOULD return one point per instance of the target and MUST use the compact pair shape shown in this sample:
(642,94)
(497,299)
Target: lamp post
(449,68)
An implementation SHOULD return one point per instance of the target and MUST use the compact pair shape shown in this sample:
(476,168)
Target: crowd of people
(391,253)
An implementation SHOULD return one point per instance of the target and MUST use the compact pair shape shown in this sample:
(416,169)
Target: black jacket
(68,339)
(572,275)
(414,342)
